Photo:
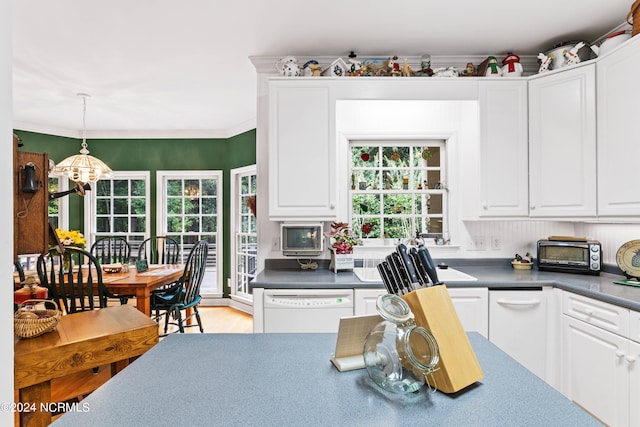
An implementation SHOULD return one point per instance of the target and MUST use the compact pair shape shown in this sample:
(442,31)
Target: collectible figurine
(572,55)
(511,66)
(356,68)
(406,69)
(493,70)
(545,61)
(470,70)
(394,66)
(425,66)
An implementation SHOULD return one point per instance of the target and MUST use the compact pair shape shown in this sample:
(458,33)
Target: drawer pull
(518,302)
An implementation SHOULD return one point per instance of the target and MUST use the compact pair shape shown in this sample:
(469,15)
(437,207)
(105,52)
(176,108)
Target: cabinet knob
(631,359)
(484,206)
(588,312)
(619,353)
(332,207)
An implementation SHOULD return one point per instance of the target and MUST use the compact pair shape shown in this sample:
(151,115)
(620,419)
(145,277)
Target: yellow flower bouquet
(71,238)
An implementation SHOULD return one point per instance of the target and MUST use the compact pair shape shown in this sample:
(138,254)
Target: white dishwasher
(306,310)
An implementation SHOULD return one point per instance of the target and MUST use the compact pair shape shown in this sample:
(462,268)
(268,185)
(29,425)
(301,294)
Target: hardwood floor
(218,320)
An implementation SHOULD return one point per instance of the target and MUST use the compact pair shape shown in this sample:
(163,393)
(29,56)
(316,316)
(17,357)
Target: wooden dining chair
(111,250)
(159,250)
(78,287)
(185,294)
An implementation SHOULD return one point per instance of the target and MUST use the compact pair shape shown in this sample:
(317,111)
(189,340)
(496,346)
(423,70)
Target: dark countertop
(287,379)
(494,274)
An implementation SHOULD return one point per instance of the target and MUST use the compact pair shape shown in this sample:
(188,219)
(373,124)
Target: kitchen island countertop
(287,380)
(494,274)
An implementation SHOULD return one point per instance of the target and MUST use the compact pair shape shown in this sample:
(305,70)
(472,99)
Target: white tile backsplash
(611,236)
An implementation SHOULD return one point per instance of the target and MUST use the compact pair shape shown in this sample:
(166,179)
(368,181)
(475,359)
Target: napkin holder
(458,365)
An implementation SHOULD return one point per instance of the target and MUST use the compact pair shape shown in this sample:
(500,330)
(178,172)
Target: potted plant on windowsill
(341,247)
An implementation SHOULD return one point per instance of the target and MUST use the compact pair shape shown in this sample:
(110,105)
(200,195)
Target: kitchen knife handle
(402,272)
(410,269)
(430,266)
(420,270)
(383,270)
(395,278)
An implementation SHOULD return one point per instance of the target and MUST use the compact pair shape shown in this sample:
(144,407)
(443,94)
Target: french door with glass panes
(189,209)
(244,244)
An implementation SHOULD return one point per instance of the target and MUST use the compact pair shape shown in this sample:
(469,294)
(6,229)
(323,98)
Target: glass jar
(398,354)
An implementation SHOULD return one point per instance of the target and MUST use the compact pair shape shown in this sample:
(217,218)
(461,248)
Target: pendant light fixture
(83,167)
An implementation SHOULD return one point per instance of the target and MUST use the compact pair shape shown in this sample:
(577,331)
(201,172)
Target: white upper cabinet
(302,154)
(562,143)
(618,90)
(503,149)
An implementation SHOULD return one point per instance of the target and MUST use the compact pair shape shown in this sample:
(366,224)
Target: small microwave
(570,255)
(301,239)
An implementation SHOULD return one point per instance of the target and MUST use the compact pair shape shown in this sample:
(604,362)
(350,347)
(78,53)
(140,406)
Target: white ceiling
(166,67)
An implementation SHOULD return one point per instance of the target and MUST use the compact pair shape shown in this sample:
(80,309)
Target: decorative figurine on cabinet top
(545,61)
(288,66)
(406,69)
(572,55)
(394,66)
(311,68)
(511,66)
(355,69)
(493,69)
(338,68)
(425,66)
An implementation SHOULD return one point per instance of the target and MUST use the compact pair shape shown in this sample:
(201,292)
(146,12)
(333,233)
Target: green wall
(152,155)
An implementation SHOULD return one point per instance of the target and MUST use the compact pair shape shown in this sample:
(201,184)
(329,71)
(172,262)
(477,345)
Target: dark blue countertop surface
(494,274)
(288,380)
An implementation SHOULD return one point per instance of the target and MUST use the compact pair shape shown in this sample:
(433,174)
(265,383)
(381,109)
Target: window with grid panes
(121,207)
(398,188)
(246,236)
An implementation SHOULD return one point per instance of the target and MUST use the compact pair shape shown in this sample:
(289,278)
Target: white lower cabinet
(364,301)
(599,362)
(518,322)
(634,383)
(471,304)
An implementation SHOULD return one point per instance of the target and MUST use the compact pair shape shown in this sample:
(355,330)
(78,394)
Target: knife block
(458,365)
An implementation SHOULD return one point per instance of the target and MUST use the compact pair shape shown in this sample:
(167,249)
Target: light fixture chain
(84,126)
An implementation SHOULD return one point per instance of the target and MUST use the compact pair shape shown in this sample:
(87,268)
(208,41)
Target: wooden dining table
(81,341)
(142,284)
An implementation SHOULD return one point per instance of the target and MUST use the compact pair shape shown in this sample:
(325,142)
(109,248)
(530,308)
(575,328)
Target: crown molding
(139,133)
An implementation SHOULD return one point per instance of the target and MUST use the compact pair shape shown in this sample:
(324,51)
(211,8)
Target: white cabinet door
(594,371)
(634,383)
(618,136)
(472,307)
(562,144)
(518,325)
(504,171)
(364,301)
(302,155)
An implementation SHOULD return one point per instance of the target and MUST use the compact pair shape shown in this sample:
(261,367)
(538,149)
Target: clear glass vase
(398,354)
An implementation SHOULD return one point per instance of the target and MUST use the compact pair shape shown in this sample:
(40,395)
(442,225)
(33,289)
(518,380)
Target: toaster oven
(569,255)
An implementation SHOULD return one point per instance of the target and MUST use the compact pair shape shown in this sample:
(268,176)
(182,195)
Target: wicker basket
(633,18)
(30,320)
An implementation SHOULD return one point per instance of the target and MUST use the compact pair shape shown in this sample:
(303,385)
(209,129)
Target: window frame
(412,143)
(90,217)
(236,211)
(161,202)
